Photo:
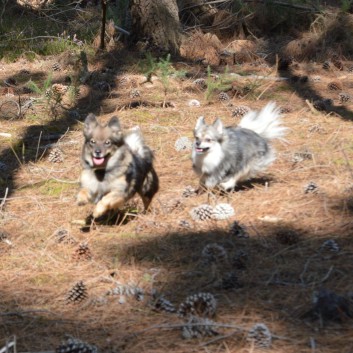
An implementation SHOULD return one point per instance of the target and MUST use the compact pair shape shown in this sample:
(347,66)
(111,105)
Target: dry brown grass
(154,251)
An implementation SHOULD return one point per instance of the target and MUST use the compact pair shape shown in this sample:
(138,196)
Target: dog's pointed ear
(114,125)
(200,122)
(218,125)
(89,124)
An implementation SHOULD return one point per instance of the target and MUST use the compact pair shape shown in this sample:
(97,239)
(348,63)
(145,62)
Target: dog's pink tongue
(98,161)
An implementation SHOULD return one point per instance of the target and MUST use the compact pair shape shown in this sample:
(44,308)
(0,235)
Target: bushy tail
(134,139)
(266,122)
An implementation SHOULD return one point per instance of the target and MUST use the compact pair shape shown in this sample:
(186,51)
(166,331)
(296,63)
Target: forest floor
(295,244)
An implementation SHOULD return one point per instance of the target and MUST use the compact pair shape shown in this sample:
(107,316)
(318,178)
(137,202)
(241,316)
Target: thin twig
(327,275)
(4,199)
(301,276)
(312,108)
(347,162)
(38,144)
(177,326)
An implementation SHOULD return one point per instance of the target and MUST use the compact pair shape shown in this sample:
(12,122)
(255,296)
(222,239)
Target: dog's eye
(107,143)
(92,142)
(208,140)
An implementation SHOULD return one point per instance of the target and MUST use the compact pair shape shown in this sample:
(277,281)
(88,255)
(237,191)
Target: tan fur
(114,168)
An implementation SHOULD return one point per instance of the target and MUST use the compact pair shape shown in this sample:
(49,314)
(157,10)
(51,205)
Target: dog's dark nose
(97,152)
(197,143)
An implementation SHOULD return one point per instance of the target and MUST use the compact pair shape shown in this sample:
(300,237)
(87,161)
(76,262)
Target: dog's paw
(83,197)
(100,210)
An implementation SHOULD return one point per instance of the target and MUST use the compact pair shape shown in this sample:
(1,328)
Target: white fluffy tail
(134,140)
(266,122)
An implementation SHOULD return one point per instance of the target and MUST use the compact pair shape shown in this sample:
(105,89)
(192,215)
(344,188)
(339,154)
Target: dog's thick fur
(224,156)
(116,166)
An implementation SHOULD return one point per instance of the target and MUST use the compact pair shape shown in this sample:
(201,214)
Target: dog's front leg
(83,197)
(111,201)
(88,188)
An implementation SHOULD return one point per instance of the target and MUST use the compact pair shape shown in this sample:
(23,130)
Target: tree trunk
(157,21)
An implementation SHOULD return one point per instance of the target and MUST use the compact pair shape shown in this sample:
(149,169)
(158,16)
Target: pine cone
(202,212)
(162,304)
(214,253)
(135,93)
(197,327)
(200,304)
(183,144)
(73,345)
(326,65)
(311,188)
(59,89)
(189,191)
(238,231)
(316,128)
(285,110)
(334,86)
(344,97)
(5,238)
(302,156)
(240,111)
(184,224)
(338,63)
(200,83)
(223,96)
(62,235)
(77,294)
(222,211)
(56,155)
(134,82)
(56,67)
(129,290)
(260,335)
(315,78)
(83,252)
(330,245)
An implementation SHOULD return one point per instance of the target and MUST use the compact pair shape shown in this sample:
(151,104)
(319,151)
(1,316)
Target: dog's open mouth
(201,150)
(98,161)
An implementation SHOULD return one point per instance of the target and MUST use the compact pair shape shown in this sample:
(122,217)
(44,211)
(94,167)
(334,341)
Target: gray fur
(223,156)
